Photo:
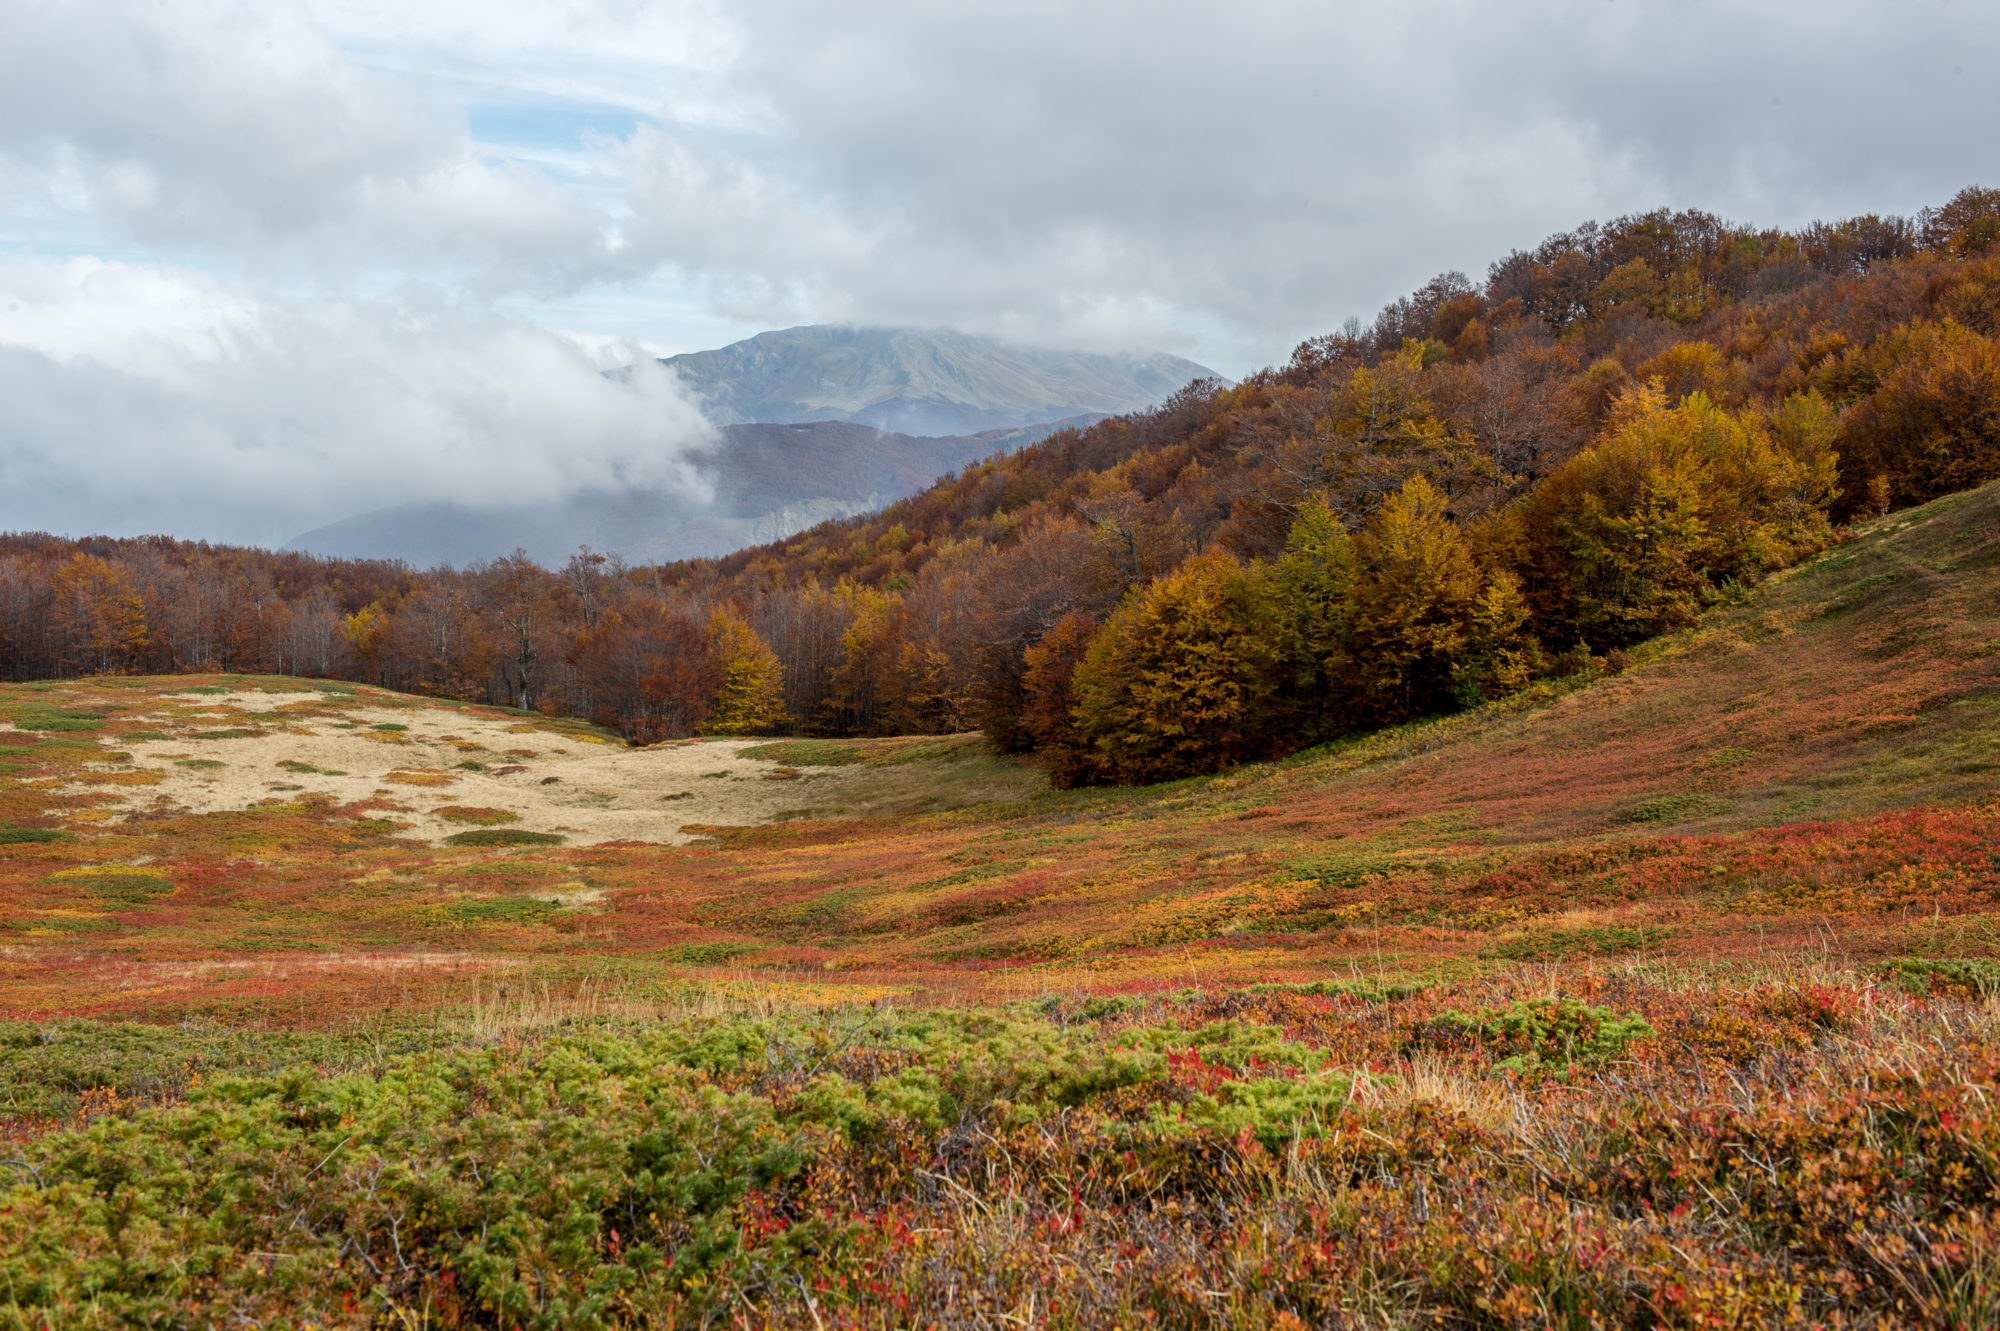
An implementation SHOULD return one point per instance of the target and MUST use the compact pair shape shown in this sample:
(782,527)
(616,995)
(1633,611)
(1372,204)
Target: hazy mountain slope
(769,482)
(931,382)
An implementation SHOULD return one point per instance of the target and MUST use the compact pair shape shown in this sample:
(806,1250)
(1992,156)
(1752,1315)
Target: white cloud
(1214,179)
(151,399)
(1271,167)
(219,127)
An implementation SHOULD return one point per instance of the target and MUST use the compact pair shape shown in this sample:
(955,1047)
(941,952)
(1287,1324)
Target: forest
(1618,429)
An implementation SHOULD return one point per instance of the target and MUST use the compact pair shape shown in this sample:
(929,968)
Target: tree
(518,604)
(1430,628)
(805,626)
(99,618)
(1048,699)
(1315,581)
(364,632)
(651,671)
(1969,224)
(1182,677)
(1931,423)
(1637,533)
(751,699)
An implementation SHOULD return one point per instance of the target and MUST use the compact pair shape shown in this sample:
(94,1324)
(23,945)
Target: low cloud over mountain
(932,382)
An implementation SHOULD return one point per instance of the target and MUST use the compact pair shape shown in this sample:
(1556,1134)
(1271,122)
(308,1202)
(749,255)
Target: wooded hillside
(1492,481)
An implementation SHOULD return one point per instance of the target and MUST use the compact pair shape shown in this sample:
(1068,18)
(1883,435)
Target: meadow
(1660,994)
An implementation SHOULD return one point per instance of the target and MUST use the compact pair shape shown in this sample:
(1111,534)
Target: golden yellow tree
(1183,676)
(1430,627)
(752,697)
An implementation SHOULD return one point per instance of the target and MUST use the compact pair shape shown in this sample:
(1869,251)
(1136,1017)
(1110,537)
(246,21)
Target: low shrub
(503,836)
(1532,1035)
(1677,809)
(24,836)
(1966,978)
(1576,944)
(462,813)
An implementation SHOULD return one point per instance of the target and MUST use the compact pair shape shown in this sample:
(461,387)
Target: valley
(905,1029)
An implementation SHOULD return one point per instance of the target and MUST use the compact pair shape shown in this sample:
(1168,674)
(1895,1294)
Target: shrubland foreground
(1657,998)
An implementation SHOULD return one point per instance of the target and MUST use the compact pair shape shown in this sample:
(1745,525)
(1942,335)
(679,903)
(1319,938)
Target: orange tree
(98,617)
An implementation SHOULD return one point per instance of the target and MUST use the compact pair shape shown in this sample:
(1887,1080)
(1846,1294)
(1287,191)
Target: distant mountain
(819,422)
(771,480)
(918,382)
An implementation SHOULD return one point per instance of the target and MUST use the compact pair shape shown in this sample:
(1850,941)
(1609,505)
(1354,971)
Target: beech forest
(1494,481)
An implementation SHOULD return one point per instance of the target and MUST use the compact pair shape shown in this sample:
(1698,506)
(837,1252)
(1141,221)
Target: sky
(267,264)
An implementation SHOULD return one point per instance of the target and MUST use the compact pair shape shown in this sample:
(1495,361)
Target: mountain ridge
(919,381)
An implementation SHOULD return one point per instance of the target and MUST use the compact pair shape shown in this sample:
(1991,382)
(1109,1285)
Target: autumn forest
(1490,482)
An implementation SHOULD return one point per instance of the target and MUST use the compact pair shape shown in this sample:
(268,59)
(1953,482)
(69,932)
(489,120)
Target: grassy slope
(1812,767)
(1803,782)
(1750,766)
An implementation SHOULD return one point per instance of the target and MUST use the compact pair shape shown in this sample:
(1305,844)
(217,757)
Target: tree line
(1488,483)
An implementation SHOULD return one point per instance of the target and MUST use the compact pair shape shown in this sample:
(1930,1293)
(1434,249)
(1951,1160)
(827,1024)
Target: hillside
(920,382)
(1615,995)
(1760,766)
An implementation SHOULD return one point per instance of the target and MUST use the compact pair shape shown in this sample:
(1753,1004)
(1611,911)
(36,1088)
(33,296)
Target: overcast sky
(266,264)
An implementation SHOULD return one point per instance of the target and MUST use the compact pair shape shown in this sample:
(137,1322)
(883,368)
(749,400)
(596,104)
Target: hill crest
(919,381)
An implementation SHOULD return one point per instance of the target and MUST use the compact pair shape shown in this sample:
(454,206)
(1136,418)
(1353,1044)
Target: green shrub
(501,910)
(120,884)
(1965,977)
(22,836)
(705,954)
(59,722)
(1530,1035)
(1677,809)
(1573,944)
(503,836)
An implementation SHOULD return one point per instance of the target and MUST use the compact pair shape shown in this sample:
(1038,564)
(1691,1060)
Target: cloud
(146,398)
(1271,167)
(1218,180)
(217,127)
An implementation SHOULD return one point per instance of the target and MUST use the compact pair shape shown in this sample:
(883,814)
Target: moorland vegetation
(1655,999)
(1489,484)
(1593,924)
